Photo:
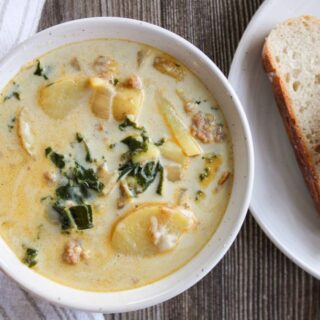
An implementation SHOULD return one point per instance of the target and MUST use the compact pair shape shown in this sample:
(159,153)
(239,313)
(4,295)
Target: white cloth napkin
(18,20)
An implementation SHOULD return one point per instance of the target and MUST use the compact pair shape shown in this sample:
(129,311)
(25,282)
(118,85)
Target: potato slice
(128,101)
(152,153)
(102,97)
(171,151)
(178,129)
(151,229)
(25,133)
(61,97)
(212,164)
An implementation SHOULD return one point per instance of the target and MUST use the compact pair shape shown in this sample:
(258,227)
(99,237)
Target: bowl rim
(89,299)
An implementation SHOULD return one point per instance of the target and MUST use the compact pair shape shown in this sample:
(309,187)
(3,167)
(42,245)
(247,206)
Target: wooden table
(254,280)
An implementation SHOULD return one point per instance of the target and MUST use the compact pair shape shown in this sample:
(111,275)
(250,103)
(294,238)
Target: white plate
(280,202)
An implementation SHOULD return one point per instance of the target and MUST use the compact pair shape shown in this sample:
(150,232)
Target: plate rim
(242,45)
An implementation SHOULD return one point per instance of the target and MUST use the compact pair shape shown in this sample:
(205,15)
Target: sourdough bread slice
(291,58)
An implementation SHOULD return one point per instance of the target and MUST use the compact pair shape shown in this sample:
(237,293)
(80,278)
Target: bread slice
(291,58)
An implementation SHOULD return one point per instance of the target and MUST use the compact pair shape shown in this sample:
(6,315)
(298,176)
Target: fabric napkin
(18,20)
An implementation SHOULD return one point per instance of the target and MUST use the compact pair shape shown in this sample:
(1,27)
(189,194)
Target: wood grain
(254,280)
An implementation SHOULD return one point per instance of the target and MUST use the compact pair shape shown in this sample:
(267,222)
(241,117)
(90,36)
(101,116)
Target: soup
(115,165)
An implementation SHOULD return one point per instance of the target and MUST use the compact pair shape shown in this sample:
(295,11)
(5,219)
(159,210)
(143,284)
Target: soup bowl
(217,84)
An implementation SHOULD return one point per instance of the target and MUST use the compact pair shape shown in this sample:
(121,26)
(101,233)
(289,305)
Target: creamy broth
(137,235)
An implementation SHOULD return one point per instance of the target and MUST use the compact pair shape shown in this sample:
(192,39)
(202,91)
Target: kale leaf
(40,71)
(136,143)
(14,93)
(81,139)
(82,216)
(30,257)
(129,123)
(56,158)
(140,176)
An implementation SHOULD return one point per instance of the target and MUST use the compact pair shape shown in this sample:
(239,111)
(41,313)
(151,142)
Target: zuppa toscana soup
(115,165)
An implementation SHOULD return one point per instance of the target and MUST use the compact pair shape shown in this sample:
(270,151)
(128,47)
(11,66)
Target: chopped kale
(115,81)
(129,123)
(82,216)
(14,93)
(136,143)
(71,192)
(140,176)
(209,157)
(40,71)
(81,139)
(87,178)
(126,168)
(112,146)
(199,195)
(197,101)
(30,257)
(11,124)
(56,158)
(79,216)
(47,151)
(204,174)
(161,176)
(65,217)
(160,142)
(81,182)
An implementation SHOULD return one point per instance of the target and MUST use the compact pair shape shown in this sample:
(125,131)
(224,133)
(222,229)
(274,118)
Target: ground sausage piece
(73,252)
(134,82)
(203,127)
(189,107)
(104,66)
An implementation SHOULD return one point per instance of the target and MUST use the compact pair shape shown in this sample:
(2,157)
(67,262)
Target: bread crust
(294,132)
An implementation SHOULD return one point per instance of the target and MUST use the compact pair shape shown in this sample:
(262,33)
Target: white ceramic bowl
(209,73)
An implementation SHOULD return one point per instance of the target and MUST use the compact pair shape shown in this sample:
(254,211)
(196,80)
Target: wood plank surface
(254,280)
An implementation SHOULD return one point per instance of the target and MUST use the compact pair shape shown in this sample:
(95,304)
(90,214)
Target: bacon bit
(74,252)
(133,82)
(74,62)
(224,177)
